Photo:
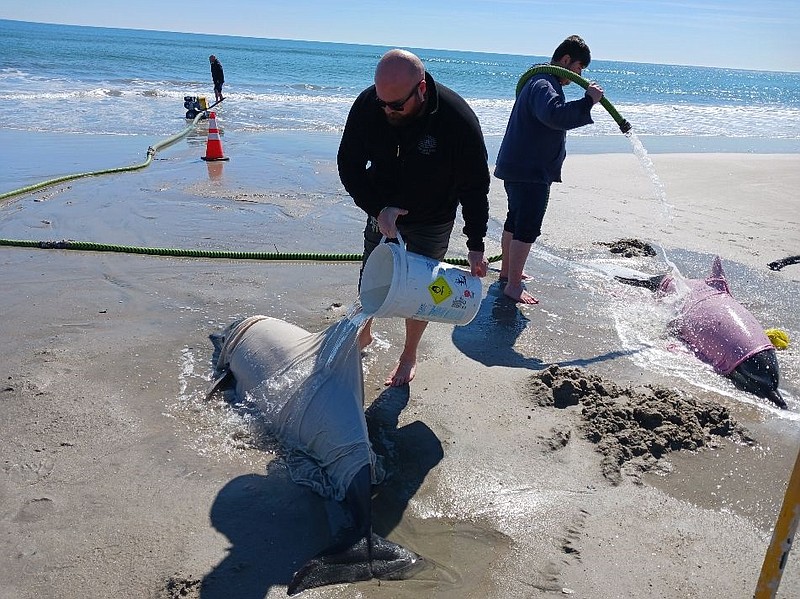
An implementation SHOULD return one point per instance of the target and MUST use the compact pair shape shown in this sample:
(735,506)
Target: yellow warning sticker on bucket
(440,290)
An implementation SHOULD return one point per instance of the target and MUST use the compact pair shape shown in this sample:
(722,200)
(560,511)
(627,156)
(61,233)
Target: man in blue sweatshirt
(531,154)
(411,152)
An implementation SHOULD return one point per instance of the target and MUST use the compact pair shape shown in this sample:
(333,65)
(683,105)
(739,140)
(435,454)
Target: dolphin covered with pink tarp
(720,331)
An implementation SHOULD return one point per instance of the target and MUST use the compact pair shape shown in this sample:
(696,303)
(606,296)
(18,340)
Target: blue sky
(762,35)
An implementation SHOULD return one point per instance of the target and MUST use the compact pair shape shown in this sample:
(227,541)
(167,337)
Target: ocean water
(89,80)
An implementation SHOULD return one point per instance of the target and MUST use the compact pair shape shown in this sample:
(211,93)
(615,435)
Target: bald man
(412,151)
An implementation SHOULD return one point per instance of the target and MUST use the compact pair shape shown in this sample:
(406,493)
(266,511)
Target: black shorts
(527,203)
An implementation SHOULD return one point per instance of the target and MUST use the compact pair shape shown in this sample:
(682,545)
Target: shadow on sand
(491,336)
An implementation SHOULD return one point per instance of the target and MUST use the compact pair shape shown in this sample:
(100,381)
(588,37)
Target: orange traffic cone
(214,144)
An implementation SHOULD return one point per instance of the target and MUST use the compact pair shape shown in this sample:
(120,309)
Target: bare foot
(364,338)
(519,294)
(403,373)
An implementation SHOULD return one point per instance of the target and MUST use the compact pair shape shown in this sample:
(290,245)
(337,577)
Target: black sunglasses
(397,105)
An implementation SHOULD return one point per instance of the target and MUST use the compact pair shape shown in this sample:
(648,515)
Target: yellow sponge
(779,338)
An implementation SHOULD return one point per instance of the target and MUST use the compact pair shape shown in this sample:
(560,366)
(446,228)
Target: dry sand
(517,471)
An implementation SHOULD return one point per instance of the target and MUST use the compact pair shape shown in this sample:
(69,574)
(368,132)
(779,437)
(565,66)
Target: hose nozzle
(624,126)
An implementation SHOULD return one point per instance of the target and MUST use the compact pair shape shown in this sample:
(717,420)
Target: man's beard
(400,119)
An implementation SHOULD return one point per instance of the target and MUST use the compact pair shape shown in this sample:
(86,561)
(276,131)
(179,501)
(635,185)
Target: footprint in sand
(35,510)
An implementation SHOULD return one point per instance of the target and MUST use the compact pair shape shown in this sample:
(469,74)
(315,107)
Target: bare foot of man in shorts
(519,294)
(402,374)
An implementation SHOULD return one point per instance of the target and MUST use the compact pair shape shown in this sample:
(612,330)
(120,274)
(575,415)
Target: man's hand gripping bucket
(396,282)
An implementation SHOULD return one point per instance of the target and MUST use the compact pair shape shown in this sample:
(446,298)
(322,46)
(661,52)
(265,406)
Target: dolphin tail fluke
(651,283)
(779,264)
(362,555)
(370,557)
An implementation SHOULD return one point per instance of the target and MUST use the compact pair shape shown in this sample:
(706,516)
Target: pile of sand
(629,248)
(633,427)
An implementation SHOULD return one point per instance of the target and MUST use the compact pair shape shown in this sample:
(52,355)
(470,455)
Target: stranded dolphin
(309,388)
(721,332)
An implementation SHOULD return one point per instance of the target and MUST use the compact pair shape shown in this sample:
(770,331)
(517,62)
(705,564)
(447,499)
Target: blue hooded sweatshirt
(534,145)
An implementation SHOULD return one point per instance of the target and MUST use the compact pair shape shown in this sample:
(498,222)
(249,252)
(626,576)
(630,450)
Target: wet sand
(514,475)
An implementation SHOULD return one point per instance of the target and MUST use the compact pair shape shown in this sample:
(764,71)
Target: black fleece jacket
(427,166)
(217,74)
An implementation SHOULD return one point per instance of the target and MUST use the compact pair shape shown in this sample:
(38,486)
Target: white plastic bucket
(396,282)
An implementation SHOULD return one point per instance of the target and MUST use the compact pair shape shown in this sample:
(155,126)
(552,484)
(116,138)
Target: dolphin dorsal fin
(716,269)
(716,278)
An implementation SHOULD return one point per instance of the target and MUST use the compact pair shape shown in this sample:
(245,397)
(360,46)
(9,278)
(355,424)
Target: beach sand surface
(120,479)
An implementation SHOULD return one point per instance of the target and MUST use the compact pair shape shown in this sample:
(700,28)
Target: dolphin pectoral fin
(651,283)
(219,382)
(370,557)
(775,397)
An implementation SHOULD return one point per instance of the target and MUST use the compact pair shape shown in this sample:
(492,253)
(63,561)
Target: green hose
(151,151)
(563,73)
(231,255)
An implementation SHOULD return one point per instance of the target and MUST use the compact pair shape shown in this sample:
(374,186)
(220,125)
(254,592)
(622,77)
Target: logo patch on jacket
(427,145)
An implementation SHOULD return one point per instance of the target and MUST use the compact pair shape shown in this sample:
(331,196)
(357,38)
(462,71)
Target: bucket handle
(400,241)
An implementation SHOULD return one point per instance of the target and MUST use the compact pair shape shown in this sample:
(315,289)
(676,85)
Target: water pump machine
(194,105)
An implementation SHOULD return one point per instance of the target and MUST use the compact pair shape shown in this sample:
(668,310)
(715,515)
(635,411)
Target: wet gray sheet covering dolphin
(309,388)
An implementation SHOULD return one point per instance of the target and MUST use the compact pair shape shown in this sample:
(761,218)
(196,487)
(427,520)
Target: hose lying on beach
(89,246)
(563,73)
(151,152)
